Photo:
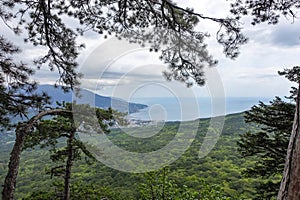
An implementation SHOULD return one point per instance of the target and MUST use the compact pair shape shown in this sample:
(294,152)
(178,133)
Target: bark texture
(13,167)
(69,164)
(290,184)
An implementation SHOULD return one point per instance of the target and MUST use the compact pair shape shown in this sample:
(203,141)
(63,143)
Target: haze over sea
(183,109)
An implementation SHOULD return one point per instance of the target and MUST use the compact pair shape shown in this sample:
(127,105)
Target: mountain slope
(222,166)
(88,97)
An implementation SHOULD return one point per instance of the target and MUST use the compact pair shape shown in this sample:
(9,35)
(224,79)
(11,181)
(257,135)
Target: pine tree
(22,130)
(268,142)
(49,132)
(17,91)
(289,187)
(172,26)
(44,24)
(270,12)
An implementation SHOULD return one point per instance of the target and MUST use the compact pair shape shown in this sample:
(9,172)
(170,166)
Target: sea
(185,109)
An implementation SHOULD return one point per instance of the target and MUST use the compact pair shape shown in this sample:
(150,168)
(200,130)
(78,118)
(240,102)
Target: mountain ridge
(88,97)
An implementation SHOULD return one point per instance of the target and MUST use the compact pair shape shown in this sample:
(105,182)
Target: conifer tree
(270,12)
(43,23)
(268,142)
(48,133)
(289,187)
(17,91)
(22,130)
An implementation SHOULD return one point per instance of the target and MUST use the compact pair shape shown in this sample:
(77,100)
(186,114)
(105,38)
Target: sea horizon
(185,109)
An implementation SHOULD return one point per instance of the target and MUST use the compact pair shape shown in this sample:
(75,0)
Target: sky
(116,68)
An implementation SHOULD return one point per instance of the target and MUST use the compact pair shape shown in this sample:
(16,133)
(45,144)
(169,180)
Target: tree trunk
(69,164)
(290,184)
(13,166)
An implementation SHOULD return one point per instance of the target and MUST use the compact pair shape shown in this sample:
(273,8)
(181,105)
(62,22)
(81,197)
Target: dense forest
(219,173)
(43,157)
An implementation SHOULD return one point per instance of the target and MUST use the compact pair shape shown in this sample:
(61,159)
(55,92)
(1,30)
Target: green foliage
(291,74)
(158,185)
(221,170)
(16,88)
(268,11)
(79,190)
(173,32)
(49,131)
(43,24)
(268,143)
(62,128)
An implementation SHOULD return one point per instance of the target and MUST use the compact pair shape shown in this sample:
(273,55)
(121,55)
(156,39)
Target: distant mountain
(88,97)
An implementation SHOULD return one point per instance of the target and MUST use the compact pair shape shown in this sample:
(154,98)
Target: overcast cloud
(109,64)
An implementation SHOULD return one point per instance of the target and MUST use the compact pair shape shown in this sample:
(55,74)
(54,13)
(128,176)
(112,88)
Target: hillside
(222,166)
(88,97)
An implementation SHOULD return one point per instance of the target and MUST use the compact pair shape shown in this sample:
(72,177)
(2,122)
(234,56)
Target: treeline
(182,46)
(246,163)
(220,173)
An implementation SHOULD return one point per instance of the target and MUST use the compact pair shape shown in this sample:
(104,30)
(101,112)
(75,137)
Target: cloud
(109,63)
(253,73)
(286,35)
(132,78)
(257,77)
(116,62)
